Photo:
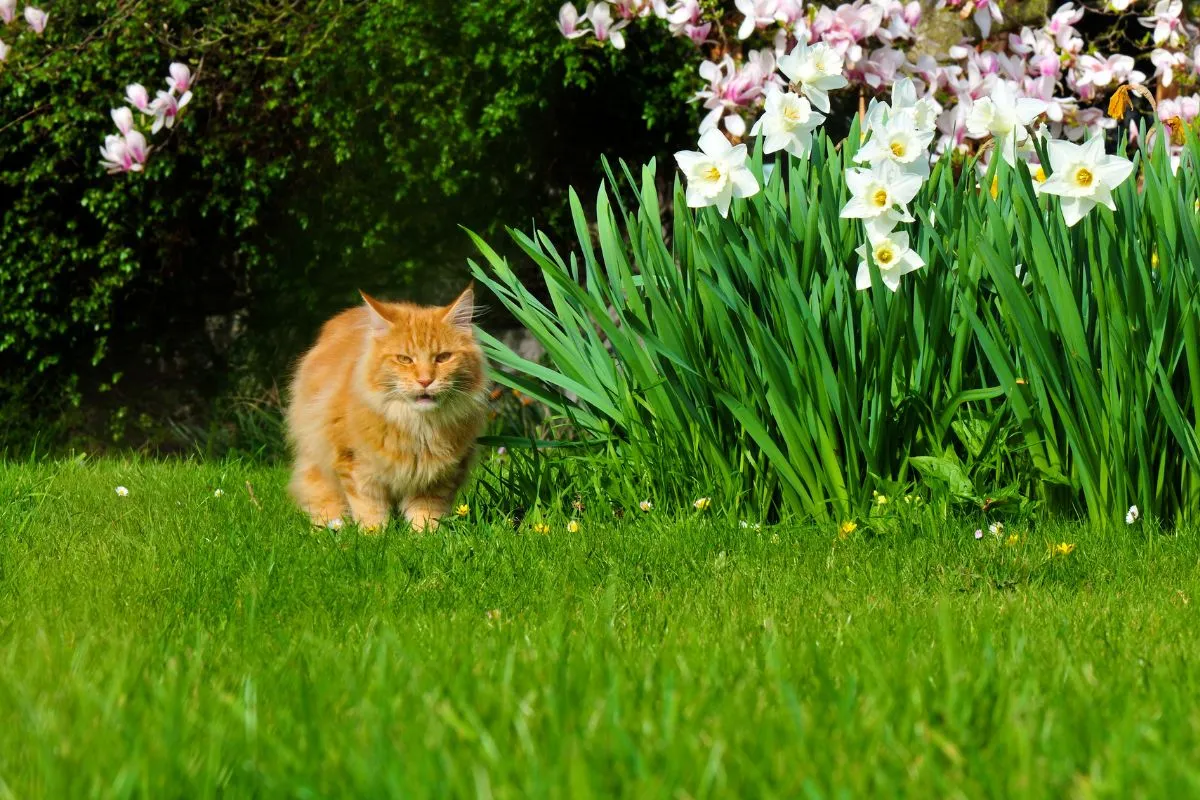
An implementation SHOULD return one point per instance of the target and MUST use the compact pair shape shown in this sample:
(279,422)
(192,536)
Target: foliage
(214,646)
(330,146)
(741,346)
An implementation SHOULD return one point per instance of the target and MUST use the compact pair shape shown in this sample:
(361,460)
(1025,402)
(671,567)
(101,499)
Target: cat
(385,410)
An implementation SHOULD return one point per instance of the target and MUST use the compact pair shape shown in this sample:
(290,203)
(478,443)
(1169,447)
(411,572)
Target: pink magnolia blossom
(123,118)
(604,28)
(987,12)
(135,148)
(8,11)
(137,96)
(165,109)
(36,19)
(1100,72)
(1166,62)
(114,155)
(568,22)
(733,90)
(180,79)
(1165,21)
(3,51)
(758,14)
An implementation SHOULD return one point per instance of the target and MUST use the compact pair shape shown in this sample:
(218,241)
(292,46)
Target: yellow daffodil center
(884,255)
(792,115)
(898,149)
(712,174)
(1040,175)
(880,198)
(995,187)
(1084,177)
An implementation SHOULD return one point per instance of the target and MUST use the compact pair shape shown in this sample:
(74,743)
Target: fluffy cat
(385,409)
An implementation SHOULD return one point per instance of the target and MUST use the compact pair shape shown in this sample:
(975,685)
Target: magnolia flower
(646,505)
(135,148)
(817,69)
(702,503)
(717,173)
(8,11)
(122,491)
(123,118)
(600,15)
(1101,72)
(1165,21)
(1165,63)
(137,96)
(3,51)
(165,109)
(180,81)
(987,12)
(568,22)
(1132,515)
(1119,5)
(115,158)
(787,124)
(36,19)
(1004,116)
(1083,176)
(892,256)
(759,14)
(880,192)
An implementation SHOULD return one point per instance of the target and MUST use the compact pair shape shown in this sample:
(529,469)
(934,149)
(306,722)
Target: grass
(176,644)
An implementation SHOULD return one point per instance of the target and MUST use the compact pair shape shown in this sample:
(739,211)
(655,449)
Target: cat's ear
(378,313)
(461,312)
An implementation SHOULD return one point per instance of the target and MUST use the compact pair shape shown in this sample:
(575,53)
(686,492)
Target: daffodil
(646,505)
(892,256)
(716,174)
(787,124)
(1083,176)
(122,491)
(817,70)
(1004,116)
(900,143)
(702,503)
(883,192)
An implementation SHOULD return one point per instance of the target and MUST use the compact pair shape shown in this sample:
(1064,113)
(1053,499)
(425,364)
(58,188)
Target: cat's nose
(424,382)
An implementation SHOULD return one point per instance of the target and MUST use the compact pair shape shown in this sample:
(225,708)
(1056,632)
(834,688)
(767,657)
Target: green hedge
(330,145)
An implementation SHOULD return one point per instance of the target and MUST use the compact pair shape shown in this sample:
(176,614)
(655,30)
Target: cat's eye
(442,358)
(402,359)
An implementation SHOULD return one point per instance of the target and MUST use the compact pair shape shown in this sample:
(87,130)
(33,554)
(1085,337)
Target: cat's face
(424,356)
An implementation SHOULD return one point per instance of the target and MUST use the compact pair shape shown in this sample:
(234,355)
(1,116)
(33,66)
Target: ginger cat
(385,409)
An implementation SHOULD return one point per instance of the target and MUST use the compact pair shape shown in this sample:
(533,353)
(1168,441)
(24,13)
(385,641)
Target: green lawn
(176,644)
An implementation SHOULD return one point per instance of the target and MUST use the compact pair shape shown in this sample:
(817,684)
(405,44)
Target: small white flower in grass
(335,524)
(574,526)
(787,124)
(880,192)
(893,258)
(978,533)
(817,70)
(1004,116)
(646,505)
(1132,515)
(996,528)
(219,493)
(1084,176)
(751,526)
(716,174)
(702,503)
(122,491)
(36,18)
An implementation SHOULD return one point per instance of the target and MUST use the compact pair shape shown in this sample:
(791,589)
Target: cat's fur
(385,409)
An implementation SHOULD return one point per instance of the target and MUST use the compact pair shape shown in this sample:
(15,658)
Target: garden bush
(328,146)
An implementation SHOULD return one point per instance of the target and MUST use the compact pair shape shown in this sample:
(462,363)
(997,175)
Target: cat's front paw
(423,521)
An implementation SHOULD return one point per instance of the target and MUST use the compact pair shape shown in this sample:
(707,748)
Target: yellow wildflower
(541,527)
(1012,539)
(463,510)
(881,499)
(702,503)
(1064,549)
(645,505)
(846,529)
(573,526)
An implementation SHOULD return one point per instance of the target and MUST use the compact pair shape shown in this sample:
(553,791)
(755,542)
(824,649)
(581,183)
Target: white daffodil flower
(716,174)
(1006,117)
(880,192)
(1083,176)
(892,255)
(900,143)
(817,70)
(787,124)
